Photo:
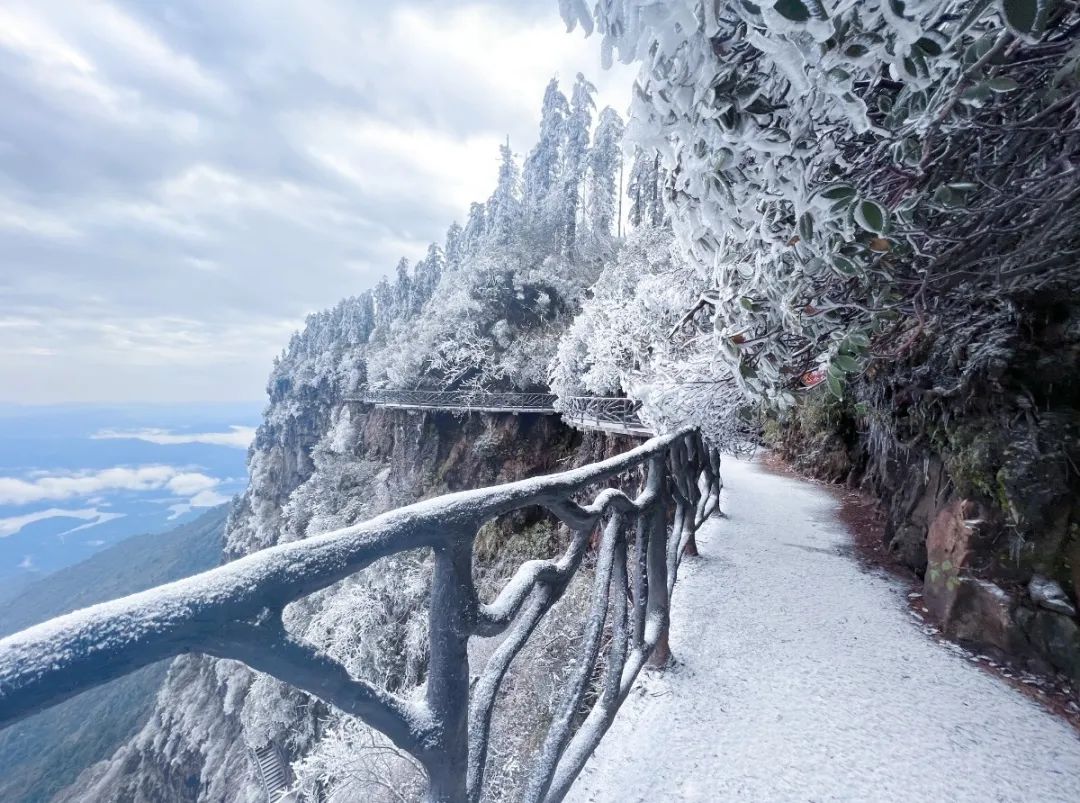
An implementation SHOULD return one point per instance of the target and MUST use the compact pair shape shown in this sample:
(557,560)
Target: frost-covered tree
(575,159)
(475,229)
(504,206)
(622,343)
(384,302)
(452,248)
(428,272)
(403,289)
(542,165)
(845,167)
(605,166)
(644,189)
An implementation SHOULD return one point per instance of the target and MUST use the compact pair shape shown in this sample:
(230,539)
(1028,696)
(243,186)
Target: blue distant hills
(75,479)
(47,751)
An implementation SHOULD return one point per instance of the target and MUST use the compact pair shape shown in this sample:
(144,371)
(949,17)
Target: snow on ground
(802,677)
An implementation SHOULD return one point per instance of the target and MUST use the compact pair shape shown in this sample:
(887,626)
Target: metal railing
(235,612)
(604,412)
(459,400)
(611,413)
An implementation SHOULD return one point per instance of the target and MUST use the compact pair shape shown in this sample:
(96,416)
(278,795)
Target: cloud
(13,524)
(238,437)
(180,184)
(50,487)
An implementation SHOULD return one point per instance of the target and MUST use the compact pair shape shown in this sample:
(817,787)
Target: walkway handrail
(235,612)
(604,412)
(602,409)
(459,399)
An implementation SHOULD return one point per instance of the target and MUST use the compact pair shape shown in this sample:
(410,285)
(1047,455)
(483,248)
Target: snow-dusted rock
(1049,594)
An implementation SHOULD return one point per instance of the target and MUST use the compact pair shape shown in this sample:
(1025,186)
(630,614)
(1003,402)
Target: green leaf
(1002,84)
(838,192)
(858,340)
(844,266)
(932,44)
(871,216)
(835,385)
(794,10)
(1026,17)
(806,227)
(845,363)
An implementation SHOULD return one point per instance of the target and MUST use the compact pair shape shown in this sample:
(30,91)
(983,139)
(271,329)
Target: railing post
(450,619)
(656,558)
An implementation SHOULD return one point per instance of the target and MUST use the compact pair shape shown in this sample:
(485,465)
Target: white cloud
(238,437)
(13,524)
(16,491)
(208,498)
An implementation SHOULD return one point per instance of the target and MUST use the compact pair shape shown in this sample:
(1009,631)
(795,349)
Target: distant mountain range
(46,752)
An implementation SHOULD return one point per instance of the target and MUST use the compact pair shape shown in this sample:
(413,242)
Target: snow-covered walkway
(803,677)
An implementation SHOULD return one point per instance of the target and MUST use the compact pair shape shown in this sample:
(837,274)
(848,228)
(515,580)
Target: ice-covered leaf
(1026,17)
(794,10)
(871,216)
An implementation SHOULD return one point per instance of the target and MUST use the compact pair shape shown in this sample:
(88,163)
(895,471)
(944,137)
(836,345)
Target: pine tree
(475,229)
(602,185)
(644,189)
(504,206)
(384,303)
(452,248)
(403,289)
(575,158)
(542,163)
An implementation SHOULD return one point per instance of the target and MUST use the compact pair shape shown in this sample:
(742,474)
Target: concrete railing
(235,612)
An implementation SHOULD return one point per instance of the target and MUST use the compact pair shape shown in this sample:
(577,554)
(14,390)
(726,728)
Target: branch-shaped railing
(235,611)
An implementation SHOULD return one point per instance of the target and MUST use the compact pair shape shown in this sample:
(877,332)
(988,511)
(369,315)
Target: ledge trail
(803,677)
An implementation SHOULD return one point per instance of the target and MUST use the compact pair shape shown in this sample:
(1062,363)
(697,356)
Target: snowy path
(804,678)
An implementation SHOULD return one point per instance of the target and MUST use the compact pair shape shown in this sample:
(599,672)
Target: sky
(181,183)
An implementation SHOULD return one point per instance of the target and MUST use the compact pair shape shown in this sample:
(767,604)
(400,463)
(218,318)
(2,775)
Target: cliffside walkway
(607,413)
(802,676)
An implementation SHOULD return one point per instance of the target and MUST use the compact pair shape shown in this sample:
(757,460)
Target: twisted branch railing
(235,612)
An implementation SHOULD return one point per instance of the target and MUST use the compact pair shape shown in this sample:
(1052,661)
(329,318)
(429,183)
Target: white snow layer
(802,677)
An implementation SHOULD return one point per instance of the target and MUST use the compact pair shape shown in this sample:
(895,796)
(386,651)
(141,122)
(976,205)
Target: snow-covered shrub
(632,338)
(841,166)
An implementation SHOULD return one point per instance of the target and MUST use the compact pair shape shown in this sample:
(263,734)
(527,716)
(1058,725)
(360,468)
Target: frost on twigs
(843,169)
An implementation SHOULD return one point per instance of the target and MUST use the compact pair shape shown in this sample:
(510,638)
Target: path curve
(803,677)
